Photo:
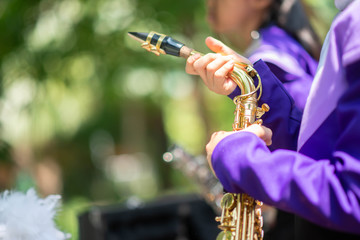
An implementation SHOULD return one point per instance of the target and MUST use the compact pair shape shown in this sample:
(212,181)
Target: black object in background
(305,230)
(186,217)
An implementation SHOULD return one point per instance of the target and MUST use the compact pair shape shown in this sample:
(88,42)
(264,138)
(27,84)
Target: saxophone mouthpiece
(157,43)
(138,36)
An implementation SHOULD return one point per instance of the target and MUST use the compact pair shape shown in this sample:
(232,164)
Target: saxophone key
(224,235)
(258,212)
(228,201)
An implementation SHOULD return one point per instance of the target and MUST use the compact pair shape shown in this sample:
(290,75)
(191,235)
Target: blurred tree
(64,76)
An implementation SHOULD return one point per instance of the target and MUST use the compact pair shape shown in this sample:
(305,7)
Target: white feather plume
(28,217)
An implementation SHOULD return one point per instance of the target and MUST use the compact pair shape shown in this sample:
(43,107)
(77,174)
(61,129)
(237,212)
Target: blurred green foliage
(86,112)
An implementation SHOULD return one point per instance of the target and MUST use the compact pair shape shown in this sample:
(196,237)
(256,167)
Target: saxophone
(241,217)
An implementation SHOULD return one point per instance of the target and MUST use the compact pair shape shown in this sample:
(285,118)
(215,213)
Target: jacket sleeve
(284,117)
(324,191)
(298,86)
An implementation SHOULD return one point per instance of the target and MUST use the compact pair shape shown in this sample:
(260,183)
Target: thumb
(218,47)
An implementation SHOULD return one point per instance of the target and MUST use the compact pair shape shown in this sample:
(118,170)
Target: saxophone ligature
(241,217)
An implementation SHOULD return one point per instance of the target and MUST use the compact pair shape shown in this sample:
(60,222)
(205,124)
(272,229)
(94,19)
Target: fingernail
(193,58)
(230,63)
(196,56)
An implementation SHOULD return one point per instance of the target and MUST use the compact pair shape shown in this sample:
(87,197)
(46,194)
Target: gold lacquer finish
(240,213)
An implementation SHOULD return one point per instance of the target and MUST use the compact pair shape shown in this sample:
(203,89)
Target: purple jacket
(321,180)
(295,69)
(287,59)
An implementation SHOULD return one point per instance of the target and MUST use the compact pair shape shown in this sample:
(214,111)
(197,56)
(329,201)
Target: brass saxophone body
(240,213)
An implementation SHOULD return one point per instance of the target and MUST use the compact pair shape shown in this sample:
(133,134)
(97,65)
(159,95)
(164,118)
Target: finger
(208,157)
(218,47)
(215,134)
(262,132)
(209,150)
(218,62)
(190,64)
(213,67)
(222,71)
(268,136)
(221,75)
(208,147)
(201,64)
